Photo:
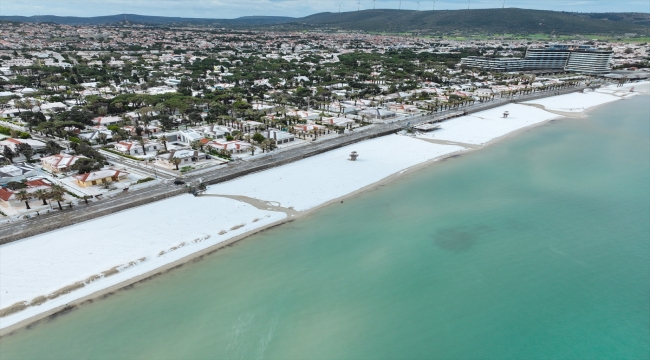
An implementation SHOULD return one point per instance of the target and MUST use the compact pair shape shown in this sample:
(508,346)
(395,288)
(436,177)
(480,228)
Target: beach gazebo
(505,114)
(353,156)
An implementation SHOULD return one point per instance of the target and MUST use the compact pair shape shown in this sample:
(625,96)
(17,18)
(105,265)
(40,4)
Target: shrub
(147,179)
(8,131)
(120,154)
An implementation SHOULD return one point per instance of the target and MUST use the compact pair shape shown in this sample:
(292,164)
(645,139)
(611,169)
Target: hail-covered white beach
(311,182)
(485,126)
(107,251)
(48,271)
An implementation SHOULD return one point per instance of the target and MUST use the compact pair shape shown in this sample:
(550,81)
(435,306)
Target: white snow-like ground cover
(130,241)
(641,87)
(574,102)
(485,126)
(316,180)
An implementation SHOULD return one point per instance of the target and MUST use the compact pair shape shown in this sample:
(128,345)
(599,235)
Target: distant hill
(151,20)
(500,21)
(479,21)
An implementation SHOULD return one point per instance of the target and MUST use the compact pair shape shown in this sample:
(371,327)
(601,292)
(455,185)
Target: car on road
(179,182)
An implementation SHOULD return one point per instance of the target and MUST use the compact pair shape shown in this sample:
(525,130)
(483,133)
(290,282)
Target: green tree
(23,195)
(176,161)
(142,143)
(9,154)
(163,140)
(57,193)
(102,138)
(51,148)
(42,195)
(26,150)
(86,165)
(258,138)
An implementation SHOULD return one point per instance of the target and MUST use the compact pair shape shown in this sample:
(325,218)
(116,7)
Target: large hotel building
(577,58)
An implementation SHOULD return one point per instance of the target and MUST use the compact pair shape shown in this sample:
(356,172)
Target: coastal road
(23,228)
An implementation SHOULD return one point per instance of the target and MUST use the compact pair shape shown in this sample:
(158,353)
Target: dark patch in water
(459,239)
(107,295)
(66,310)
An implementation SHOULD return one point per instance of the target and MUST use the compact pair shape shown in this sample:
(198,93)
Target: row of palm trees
(55,193)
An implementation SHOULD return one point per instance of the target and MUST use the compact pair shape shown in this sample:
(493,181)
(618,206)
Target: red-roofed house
(7,196)
(100,177)
(59,162)
(232,146)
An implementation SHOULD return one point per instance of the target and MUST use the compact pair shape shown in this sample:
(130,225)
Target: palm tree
(142,143)
(102,138)
(23,195)
(19,104)
(163,140)
(41,195)
(57,193)
(176,161)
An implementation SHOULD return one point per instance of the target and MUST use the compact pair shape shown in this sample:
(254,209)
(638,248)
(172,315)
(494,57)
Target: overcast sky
(296,8)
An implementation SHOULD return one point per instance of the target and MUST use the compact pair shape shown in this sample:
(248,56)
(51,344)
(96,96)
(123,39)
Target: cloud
(236,8)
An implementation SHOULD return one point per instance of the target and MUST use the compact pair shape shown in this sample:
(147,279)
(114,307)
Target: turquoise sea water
(537,247)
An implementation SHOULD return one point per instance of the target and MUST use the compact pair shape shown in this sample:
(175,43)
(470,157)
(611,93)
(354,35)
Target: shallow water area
(536,247)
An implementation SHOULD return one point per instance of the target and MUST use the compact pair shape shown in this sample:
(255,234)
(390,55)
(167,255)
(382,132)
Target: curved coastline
(74,303)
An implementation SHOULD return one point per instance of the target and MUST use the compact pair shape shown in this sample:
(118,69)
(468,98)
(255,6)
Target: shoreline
(197,256)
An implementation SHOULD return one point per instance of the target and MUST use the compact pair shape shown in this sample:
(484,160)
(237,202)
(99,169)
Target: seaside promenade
(69,216)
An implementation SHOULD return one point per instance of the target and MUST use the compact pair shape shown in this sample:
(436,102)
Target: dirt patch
(19,306)
(111,271)
(38,300)
(65,290)
(92,278)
